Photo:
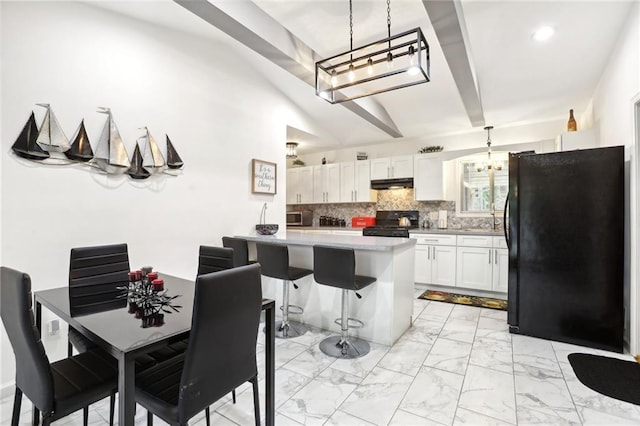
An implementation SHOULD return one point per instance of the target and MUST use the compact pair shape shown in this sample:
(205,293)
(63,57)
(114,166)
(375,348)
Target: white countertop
(355,242)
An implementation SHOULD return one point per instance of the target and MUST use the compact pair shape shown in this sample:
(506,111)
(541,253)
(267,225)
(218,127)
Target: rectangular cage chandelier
(398,61)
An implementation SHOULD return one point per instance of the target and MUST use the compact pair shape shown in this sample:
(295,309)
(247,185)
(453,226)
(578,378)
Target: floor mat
(461,299)
(612,377)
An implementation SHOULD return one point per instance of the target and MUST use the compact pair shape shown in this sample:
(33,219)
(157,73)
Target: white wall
(613,111)
(218,112)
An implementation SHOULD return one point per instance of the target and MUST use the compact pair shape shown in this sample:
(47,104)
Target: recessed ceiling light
(543,33)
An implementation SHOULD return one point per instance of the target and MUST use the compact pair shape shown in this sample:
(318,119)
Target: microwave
(300,218)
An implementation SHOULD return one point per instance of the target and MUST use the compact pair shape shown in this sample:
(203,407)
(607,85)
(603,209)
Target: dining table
(122,335)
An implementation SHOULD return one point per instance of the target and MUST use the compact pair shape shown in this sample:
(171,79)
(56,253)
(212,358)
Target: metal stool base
(350,348)
(290,330)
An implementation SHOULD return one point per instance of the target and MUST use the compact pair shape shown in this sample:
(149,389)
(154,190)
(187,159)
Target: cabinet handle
(355,195)
(434,253)
(428,253)
(393,171)
(489,257)
(495,258)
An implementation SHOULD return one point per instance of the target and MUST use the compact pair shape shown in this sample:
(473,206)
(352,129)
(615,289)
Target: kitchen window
(483,187)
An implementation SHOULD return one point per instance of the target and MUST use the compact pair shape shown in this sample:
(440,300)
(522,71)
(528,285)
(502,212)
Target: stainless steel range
(388,223)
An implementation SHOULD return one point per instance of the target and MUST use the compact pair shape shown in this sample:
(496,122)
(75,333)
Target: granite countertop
(450,231)
(355,242)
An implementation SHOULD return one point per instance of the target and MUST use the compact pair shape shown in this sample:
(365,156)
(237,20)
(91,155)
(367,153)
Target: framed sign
(263,177)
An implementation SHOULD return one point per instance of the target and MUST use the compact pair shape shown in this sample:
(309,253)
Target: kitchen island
(386,306)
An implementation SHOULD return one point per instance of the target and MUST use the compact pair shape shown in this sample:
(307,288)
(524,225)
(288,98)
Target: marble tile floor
(456,365)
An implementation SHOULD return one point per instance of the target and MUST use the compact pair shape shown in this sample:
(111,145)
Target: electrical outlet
(54,327)
(433,215)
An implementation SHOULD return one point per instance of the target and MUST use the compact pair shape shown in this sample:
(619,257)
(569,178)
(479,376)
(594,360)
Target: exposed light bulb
(413,69)
(370,66)
(389,60)
(352,75)
(334,78)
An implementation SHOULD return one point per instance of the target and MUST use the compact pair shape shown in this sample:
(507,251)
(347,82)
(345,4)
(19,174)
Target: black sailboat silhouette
(136,171)
(26,146)
(80,148)
(173,159)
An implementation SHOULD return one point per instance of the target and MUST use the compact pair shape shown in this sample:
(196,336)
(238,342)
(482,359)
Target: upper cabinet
(392,167)
(582,139)
(326,183)
(300,185)
(355,182)
(428,183)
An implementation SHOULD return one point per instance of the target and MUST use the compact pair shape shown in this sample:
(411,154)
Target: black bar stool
(274,263)
(336,267)
(240,250)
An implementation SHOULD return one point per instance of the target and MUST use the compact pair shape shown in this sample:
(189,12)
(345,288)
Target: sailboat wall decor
(80,147)
(173,159)
(26,146)
(51,137)
(152,159)
(111,154)
(137,171)
(48,145)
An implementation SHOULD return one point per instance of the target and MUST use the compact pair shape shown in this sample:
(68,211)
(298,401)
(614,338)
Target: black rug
(613,377)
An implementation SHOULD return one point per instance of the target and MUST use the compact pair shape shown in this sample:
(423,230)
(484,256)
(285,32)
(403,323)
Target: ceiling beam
(267,37)
(448,23)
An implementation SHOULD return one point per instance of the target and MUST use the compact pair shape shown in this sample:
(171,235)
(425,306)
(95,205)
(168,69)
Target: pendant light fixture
(490,164)
(291,150)
(392,63)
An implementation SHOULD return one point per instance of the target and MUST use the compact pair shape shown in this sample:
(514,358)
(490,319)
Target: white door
(319,184)
(427,178)
(305,185)
(500,270)
(292,186)
(474,265)
(347,181)
(423,264)
(362,186)
(332,183)
(380,168)
(443,259)
(402,167)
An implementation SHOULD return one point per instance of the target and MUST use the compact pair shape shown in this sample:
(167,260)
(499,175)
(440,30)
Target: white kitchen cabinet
(435,259)
(355,182)
(392,167)
(582,139)
(483,263)
(428,183)
(500,272)
(300,185)
(326,183)
(474,267)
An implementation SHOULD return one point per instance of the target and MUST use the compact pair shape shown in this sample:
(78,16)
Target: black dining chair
(94,275)
(240,248)
(214,259)
(56,389)
(221,353)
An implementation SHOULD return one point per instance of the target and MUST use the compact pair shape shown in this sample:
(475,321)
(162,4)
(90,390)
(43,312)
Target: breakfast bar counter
(386,306)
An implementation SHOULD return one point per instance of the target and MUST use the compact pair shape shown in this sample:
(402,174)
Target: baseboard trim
(7,389)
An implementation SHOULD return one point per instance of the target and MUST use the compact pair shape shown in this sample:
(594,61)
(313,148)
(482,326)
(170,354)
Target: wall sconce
(291,150)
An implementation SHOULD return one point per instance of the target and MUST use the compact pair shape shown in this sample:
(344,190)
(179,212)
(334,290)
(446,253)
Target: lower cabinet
(435,263)
(483,263)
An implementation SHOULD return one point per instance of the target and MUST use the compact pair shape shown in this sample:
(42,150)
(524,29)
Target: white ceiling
(520,80)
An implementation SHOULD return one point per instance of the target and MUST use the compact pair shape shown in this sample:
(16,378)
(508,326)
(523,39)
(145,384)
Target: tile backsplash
(398,199)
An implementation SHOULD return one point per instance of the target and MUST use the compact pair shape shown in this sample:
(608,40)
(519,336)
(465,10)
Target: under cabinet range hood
(392,183)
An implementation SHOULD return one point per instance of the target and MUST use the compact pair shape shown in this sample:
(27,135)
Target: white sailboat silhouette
(51,137)
(152,158)
(111,154)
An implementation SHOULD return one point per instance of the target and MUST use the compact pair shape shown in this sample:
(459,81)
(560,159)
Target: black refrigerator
(566,246)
